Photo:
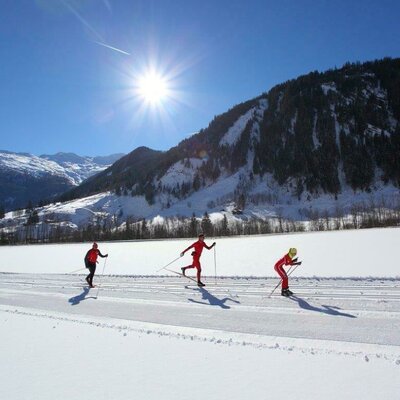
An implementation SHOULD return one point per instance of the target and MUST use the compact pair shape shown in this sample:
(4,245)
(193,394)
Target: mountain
(25,177)
(319,143)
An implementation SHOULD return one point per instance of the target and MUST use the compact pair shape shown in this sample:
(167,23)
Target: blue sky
(63,91)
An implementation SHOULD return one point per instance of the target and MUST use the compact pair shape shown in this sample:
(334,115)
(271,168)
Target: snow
(316,142)
(372,130)
(160,336)
(107,205)
(73,171)
(30,164)
(233,135)
(97,207)
(235,131)
(115,359)
(329,86)
(178,173)
(240,255)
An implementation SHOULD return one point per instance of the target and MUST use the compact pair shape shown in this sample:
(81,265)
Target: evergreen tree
(193,226)
(196,183)
(206,225)
(33,217)
(224,226)
(144,230)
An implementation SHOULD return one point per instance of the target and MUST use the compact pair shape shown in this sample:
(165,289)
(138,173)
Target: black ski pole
(215,266)
(77,270)
(288,274)
(165,266)
(104,267)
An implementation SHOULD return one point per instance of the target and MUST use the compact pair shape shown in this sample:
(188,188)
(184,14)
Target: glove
(294,260)
(297,263)
(182,254)
(214,244)
(106,255)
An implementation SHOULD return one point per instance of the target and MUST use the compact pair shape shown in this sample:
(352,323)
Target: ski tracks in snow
(355,317)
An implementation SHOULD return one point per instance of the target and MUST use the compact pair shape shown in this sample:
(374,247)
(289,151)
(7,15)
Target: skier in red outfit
(198,248)
(91,261)
(287,259)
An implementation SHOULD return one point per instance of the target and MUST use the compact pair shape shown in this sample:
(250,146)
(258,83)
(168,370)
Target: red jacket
(285,260)
(198,248)
(91,256)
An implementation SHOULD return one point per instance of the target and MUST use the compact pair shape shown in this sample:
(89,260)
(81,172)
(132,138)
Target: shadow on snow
(80,297)
(330,310)
(211,299)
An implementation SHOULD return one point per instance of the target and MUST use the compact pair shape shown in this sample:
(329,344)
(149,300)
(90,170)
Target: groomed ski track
(355,311)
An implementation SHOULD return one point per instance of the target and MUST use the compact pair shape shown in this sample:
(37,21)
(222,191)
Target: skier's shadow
(211,299)
(330,310)
(77,299)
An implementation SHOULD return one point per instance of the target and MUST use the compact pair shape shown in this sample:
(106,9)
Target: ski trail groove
(344,310)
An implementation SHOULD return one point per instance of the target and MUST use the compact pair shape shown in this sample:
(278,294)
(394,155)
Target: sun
(153,87)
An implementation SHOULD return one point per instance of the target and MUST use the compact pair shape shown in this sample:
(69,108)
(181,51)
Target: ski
(178,273)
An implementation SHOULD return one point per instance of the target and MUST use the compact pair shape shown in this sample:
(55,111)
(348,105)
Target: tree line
(52,231)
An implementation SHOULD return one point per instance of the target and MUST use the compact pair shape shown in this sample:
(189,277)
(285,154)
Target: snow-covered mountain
(25,177)
(317,144)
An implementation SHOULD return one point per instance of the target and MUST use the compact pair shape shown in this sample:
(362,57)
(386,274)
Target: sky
(72,71)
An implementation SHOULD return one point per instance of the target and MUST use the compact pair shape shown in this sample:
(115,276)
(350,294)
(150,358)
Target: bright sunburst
(153,87)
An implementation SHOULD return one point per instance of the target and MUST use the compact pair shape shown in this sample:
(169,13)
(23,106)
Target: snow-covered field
(146,335)
(352,253)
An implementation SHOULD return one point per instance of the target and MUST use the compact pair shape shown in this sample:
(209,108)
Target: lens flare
(153,87)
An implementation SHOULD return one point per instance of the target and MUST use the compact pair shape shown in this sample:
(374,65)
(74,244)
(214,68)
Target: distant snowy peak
(70,166)
(25,177)
(61,158)
(29,164)
(72,158)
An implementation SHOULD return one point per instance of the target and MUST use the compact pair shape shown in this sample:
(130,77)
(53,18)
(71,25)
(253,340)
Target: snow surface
(178,173)
(370,252)
(235,131)
(74,171)
(329,86)
(30,164)
(160,336)
(73,357)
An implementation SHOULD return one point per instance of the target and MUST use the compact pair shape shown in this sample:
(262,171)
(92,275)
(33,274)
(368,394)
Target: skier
(90,262)
(198,248)
(287,259)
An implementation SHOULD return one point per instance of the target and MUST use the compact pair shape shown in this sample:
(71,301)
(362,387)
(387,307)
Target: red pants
(196,264)
(282,274)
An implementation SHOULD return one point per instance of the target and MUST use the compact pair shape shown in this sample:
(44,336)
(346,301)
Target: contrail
(81,19)
(100,40)
(113,48)
(107,4)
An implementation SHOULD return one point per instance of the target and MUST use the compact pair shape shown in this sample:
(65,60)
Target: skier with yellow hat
(287,259)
